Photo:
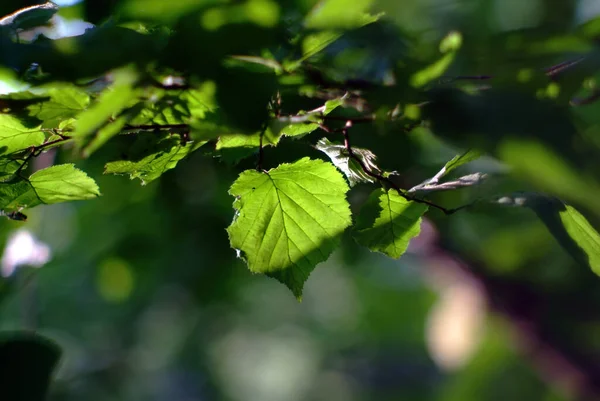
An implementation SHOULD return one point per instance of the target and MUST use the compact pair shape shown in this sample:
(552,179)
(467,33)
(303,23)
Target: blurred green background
(149,302)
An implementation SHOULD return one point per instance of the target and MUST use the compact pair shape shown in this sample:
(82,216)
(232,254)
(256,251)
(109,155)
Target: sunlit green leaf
(151,155)
(289,219)
(388,222)
(60,183)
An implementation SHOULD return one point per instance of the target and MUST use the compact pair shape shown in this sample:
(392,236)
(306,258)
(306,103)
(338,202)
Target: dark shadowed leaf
(387,223)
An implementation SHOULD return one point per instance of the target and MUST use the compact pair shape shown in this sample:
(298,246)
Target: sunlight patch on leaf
(388,222)
(289,219)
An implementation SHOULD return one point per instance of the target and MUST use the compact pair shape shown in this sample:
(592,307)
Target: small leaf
(350,167)
(570,228)
(289,219)
(151,156)
(388,222)
(61,183)
(456,162)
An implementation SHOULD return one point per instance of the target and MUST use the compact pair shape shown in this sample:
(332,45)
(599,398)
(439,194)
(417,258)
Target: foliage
(249,92)
(328,113)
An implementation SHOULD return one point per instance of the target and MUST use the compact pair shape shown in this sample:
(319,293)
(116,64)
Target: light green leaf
(289,219)
(570,228)
(61,183)
(350,167)
(388,222)
(15,136)
(151,156)
(432,71)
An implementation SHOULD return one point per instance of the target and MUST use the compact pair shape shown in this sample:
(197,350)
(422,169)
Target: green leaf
(15,136)
(289,219)
(549,172)
(151,156)
(388,222)
(61,183)
(63,103)
(570,228)
(449,45)
(456,162)
(337,14)
(350,167)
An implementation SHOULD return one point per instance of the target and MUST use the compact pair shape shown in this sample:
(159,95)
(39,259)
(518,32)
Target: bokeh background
(148,301)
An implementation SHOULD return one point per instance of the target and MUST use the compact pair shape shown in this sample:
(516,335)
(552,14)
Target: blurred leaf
(16,136)
(111,102)
(151,155)
(353,170)
(289,219)
(570,228)
(159,10)
(549,172)
(60,183)
(449,45)
(387,222)
(336,14)
(30,17)
(27,361)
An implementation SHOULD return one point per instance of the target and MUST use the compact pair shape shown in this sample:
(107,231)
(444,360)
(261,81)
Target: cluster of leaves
(161,80)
